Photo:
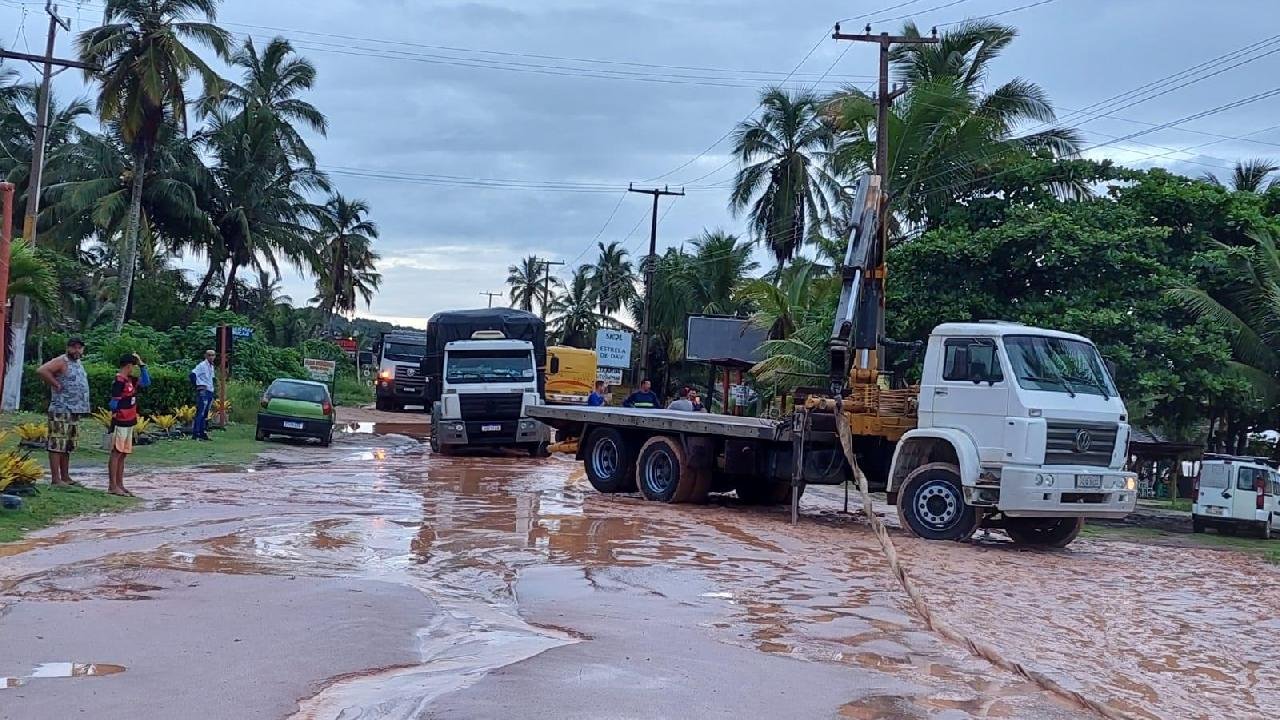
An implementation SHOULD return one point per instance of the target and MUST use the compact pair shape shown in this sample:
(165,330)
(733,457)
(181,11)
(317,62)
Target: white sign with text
(613,348)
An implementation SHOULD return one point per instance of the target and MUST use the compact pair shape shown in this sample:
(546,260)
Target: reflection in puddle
(61,670)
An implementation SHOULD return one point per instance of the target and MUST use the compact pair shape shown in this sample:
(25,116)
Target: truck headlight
(1131,483)
(1045,479)
(459,427)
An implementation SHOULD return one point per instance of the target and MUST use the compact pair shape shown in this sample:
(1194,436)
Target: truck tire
(610,461)
(539,450)
(1197,525)
(382,404)
(1044,532)
(662,471)
(931,504)
(754,491)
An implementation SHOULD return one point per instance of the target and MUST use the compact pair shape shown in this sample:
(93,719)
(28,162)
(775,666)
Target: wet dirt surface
(373,580)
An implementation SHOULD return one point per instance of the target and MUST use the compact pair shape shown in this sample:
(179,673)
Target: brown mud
(534,592)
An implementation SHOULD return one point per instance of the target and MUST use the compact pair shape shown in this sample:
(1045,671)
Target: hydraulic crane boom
(855,332)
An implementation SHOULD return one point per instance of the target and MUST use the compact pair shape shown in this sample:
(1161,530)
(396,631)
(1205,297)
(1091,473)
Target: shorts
(122,440)
(63,432)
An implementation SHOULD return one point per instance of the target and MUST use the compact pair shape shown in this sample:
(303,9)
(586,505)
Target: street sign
(348,346)
(613,348)
(610,376)
(320,370)
(239,332)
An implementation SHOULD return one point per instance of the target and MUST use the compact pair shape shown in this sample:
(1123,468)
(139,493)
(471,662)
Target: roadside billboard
(613,348)
(320,370)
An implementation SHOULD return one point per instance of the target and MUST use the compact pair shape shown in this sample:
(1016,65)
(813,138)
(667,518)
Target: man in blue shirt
(645,397)
(596,398)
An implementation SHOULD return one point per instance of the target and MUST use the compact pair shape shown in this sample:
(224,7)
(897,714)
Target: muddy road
(373,580)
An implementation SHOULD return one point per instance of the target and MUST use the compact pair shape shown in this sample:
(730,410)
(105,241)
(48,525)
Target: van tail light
(1260,487)
(1195,487)
(327,407)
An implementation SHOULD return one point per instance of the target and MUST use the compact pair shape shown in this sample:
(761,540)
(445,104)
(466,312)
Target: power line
(1020,8)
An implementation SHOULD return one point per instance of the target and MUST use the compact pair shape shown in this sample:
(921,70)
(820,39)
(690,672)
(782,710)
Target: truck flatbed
(671,421)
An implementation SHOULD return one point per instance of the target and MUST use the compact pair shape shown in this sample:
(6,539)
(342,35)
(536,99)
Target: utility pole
(21,316)
(546,286)
(884,100)
(492,295)
(642,367)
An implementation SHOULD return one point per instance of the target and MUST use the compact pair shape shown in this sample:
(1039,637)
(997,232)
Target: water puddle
(61,670)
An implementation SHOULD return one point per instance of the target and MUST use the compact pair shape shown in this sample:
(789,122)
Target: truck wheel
(754,491)
(1044,532)
(610,462)
(662,471)
(382,404)
(931,504)
(539,450)
(1197,525)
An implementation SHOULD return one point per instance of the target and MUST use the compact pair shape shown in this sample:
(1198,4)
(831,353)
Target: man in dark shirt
(645,397)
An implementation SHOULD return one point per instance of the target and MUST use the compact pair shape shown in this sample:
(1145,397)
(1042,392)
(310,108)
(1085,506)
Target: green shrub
(169,389)
(245,398)
(351,392)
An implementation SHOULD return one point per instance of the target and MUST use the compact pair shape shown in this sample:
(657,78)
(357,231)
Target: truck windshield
(1058,365)
(479,366)
(402,351)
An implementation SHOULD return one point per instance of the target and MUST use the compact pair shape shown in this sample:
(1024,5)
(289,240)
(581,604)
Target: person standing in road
(682,403)
(645,397)
(124,416)
(203,375)
(597,396)
(68,402)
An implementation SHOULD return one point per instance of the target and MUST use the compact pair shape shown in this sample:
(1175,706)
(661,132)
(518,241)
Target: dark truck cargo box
(446,327)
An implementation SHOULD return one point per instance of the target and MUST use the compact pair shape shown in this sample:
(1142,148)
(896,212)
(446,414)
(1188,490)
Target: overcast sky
(426,98)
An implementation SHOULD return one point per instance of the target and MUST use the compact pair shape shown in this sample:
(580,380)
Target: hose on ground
(982,650)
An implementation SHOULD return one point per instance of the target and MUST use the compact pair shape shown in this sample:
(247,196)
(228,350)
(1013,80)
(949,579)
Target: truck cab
(486,386)
(1019,428)
(400,379)
(571,375)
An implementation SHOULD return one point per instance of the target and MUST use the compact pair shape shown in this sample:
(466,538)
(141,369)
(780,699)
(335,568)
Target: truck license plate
(490,428)
(1089,481)
(1214,510)
(292,425)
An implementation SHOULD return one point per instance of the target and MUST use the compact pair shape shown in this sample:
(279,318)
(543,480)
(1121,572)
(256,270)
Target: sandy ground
(374,580)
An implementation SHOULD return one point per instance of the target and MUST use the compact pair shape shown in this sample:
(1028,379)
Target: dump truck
(1011,426)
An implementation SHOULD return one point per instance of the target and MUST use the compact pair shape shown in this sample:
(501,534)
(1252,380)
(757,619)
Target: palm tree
(1248,176)
(266,294)
(527,283)
(785,154)
(258,201)
(800,295)
(272,80)
(346,258)
(721,263)
(573,313)
(32,276)
(145,64)
(17,131)
(946,135)
(614,278)
(89,309)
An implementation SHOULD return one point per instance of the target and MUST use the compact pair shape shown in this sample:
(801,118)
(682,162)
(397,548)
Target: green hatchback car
(297,408)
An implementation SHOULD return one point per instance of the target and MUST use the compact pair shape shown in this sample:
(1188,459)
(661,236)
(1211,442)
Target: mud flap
(700,462)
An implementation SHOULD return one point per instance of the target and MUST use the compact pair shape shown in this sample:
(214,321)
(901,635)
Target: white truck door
(970,392)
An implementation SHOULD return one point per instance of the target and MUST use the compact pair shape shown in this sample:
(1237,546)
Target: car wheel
(931,504)
(609,460)
(1264,529)
(260,435)
(1044,532)
(327,440)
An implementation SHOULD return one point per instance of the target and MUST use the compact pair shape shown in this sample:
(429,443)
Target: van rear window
(1215,476)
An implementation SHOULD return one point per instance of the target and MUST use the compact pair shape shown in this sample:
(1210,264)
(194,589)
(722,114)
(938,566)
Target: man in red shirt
(124,416)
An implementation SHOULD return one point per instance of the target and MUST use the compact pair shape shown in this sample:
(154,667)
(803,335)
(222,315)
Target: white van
(1236,493)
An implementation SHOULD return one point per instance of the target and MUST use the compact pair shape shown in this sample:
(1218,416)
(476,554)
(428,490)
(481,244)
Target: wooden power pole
(546,286)
(642,367)
(492,295)
(884,100)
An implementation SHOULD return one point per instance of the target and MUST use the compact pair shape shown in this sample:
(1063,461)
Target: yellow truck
(571,374)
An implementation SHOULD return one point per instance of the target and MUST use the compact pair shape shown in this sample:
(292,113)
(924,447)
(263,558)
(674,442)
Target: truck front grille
(409,376)
(1080,444)
(490,406)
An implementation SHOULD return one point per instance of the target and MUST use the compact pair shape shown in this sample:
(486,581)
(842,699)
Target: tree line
(994,215)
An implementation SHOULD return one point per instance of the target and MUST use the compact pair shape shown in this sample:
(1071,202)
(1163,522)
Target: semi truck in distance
(400,381)
(571,375)
(482,371)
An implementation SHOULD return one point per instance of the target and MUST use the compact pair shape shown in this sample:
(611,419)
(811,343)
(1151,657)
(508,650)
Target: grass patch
(352,392)
(1268,550)
(232,446)
(54,504)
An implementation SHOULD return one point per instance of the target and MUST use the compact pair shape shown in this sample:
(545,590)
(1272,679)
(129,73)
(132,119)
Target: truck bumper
(413,395)
(1028,492)
(498,433)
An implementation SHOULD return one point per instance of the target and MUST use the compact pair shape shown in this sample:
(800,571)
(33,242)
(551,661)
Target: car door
(972,393)
(1217,487)
(1244,492)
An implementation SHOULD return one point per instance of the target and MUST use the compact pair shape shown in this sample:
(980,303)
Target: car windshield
(297,391)
(1058,365)
(402,351)
(479,366)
